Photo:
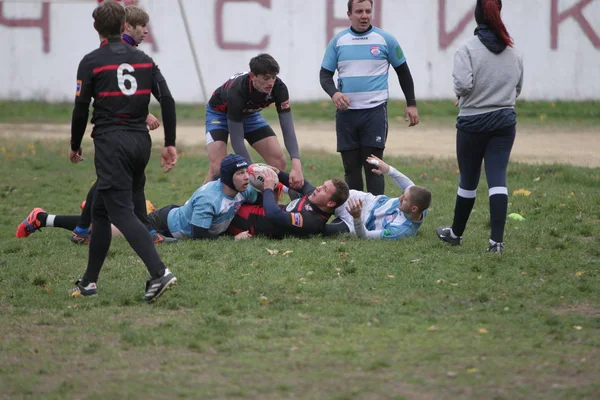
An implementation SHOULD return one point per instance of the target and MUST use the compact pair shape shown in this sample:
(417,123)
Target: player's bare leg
(216,151)
(270,150)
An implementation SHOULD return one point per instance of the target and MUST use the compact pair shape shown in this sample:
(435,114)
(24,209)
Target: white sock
(452,235)
(50,220)
(492,243)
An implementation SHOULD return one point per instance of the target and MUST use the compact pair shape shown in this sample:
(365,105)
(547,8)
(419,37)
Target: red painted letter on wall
(237,45)
(445,39)
(556,18)
(333,22)
(43,23)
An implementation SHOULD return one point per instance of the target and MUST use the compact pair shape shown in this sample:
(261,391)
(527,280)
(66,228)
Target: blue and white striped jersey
(362,61)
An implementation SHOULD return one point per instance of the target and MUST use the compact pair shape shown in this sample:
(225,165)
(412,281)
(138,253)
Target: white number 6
(122,77)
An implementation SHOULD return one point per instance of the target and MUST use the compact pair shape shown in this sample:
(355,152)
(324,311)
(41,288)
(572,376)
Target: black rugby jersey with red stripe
(238,98)
(121,79)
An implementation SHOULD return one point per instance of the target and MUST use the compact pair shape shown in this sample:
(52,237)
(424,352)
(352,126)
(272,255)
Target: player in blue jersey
(205,215)
(383,217)
(234,111)
(362,55)
(211,208)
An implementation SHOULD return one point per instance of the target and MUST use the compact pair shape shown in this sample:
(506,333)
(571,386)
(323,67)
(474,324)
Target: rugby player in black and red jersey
(121,79)
(234,111)
(303,217)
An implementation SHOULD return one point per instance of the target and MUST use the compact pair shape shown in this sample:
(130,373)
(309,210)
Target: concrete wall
(41,43)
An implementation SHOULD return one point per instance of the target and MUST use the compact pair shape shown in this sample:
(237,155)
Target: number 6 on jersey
(123,77)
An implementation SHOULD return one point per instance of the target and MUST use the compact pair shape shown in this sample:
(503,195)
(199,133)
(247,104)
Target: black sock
(498,209)
(42,217)
(462,211)
(68,222)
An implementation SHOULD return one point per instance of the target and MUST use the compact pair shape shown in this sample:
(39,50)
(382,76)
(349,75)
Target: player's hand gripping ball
(257,173)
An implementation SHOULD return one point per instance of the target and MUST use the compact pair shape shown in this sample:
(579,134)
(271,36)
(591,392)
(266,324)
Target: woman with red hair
(488,76)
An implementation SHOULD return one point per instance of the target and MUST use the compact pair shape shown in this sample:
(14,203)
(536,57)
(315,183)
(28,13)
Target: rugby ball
(257,173)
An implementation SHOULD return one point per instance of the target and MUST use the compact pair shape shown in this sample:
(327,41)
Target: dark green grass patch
(538,113)
(337,318)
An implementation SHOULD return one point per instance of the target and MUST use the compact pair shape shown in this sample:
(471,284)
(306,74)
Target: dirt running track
(578,146)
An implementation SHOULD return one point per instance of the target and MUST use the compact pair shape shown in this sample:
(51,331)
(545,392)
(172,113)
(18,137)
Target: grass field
(336,318)
(531,112)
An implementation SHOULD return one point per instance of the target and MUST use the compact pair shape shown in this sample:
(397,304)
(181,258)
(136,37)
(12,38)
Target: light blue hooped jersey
(362,61)
(385,216)
(208,208)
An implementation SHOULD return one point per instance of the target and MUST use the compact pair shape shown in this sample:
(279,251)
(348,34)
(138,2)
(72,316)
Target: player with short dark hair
(383,217)
(120,79)
(362,55)
(302,217)
(234,111)
(136,20)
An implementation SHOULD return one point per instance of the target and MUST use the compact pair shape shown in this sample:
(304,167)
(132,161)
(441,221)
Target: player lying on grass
(383,217)
(304,216)
(205,215)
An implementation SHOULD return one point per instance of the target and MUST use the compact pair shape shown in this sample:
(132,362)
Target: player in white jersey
(362,55)
(383,217)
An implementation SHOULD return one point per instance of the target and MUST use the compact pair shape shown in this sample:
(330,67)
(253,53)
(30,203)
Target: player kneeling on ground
(384,217)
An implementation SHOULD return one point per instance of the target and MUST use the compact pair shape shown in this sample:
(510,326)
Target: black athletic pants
(120,159)
(493,148)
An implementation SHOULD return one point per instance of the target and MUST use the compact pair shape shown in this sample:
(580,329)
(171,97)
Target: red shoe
(30,225)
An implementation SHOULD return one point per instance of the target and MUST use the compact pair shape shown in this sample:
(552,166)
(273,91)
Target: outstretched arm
(291,144)
(236,133)
(381,167)
(284,178)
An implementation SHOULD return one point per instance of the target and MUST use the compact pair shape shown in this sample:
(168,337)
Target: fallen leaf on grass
(272,252)
(344,255)
(432,328)
(472,370)
(391,276)
(264,300)
(451,374)
(577,327)
(285,253)
(579,273)
(416,260)
(522,192)
(537,179)
(48,290)
(482,331)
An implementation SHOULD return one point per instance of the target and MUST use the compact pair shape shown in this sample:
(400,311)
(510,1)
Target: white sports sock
(50,220)
(452,235)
